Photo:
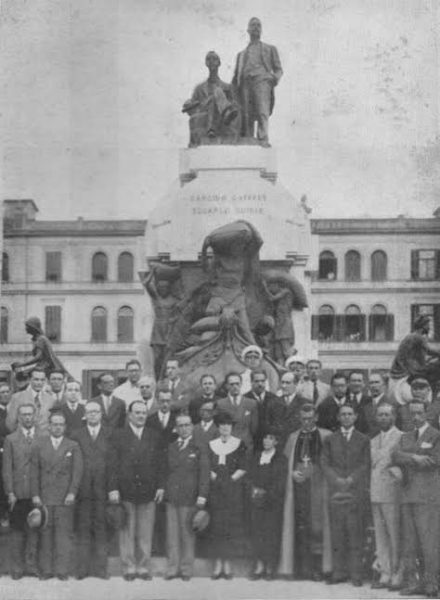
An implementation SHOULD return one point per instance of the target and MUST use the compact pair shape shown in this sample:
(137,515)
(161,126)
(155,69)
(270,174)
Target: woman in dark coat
(267,486)
(227,497)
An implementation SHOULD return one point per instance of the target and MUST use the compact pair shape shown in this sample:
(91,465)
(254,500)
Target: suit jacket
(180,397)
(245,418)
(4,431)
(328,414)
(285,416)
(74,420)
(196,402)
(26,397)
(115,419)
(263,413)
(383,486)
(55,473)
(366,421)
(361,421)
(140,465)
(167,434)
(421,484)
(306,390)
(187,474)
(17,453)
(202,437)
(99,463)
(342,459)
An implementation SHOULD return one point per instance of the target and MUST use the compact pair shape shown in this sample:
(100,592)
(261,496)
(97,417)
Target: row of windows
(425,265)
(99,319)
(352,325)
(54,267)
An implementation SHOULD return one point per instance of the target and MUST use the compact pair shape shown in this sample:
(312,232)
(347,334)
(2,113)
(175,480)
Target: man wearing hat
(296,364)
(415,356)
(252,357)
(56,471)
(419,390)
(186,487)
(17,454)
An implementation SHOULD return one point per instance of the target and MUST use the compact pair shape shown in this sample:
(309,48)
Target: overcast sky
(93,91)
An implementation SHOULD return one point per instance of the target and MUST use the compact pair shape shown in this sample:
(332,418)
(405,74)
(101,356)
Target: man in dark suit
(71,408)
(140,471)
(97,485)
(206,430)
(56,385)
(113,408)
(244,411)
(17,454)
(346,465)
(57,468)
(5,398)
(418,455)
(283,413)
(328,410)
(187,486)
(369,404)
(35,394)
(358,396)
(264,399)
(164,420)
(179,399)
(208,385)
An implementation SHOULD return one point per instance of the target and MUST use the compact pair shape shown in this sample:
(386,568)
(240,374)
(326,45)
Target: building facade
(369,279)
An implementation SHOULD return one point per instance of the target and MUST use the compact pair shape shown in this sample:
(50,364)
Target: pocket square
(247,412)
(426,445)
(191,455)
(68,454)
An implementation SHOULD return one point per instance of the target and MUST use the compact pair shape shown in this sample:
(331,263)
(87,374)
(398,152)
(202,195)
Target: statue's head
(212,60)
(254,27)
(163,288)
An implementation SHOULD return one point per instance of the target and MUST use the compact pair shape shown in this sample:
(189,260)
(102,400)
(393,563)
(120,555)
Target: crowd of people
(293,478)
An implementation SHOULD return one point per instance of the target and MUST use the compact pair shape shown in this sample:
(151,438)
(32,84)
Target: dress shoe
(45,576)
(379,585)
(334,579)
(63,577)
(102,575)
(216,576)
(255,576)
(431,592)
(129,577)
(170,576)
(356,582)
(80,576)
(269,576)
(144,576)
(228,576)
(394,587)
(185,578)
(32,572)
(414,590)
(16,576)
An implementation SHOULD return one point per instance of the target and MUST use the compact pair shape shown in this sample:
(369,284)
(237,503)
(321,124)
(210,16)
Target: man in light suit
(98,484)
(147,387)
(35,395)
(57,468)
(418,455)
(206,430)
(257,71)
(346,465)
(17,454)
(385,488)
(244,411)
(313,388)
(113,408)
(186,487)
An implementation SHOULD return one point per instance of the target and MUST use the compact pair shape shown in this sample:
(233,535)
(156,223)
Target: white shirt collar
(72,405)
(222,449)
(266,457)
(206,424)
(164,417)
(94,428)
(56,442)
(340,401)
(25,431)
(423,428)
(347,433)
(235,400)
(184,442)
(136,430)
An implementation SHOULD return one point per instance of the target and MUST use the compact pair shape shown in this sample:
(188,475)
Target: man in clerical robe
(305,542)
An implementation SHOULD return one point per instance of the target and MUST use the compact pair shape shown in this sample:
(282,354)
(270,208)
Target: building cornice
(371,226)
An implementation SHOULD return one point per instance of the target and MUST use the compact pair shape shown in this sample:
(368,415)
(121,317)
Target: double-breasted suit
(17,453)
(168,433)
(140,471)
(187,479)
(54,475)
(346,466)
(420,501)
(245,417)
(97,481)
(114,417)
(385,491)
(263,405)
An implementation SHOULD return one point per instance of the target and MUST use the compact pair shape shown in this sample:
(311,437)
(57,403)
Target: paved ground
(197,589)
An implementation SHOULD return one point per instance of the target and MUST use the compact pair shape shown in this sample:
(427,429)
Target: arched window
(327,265)
(380,324)
(99,324)
(99,267)
(379,265)
(125,267)
(354,324)
(326,322)
(5,267)
(4,325)
(125,324)
(352,266)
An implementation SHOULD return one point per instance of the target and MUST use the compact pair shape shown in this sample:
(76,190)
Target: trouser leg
(355,520)
(63,539)
(46,544)
(339,540)
(84,537)
(31,550)
(410,543)
(427,524)
(145,525)
(127,540)
(391,516)
(382,541)
(173,540)
(187,540)
(16,551)
(100,549)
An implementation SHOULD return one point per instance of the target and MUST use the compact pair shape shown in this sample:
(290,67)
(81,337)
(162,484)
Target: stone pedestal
(221,184)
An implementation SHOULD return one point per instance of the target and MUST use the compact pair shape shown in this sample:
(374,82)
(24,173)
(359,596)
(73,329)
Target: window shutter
(437,322)
(414,264)
(4,325)
(315,327)
(371,328)
(53,323)
(414,313)
(362,325)
(389,328)
(53,266)
(437,264)
(340,328)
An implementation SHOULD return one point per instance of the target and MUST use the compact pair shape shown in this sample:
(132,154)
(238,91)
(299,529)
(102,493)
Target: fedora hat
(37,518)
(115,516)
(200,520)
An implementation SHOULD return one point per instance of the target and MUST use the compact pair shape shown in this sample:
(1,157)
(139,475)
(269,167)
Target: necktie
(180,443)
(315,392)
(29,436)
(37,401)
(94,434)
(106,404)
(345,433)
(417,434)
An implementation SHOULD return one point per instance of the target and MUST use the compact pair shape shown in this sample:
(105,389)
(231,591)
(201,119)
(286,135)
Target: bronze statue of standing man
(257,71)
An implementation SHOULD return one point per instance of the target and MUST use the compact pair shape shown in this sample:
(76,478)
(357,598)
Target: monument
(227,248)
